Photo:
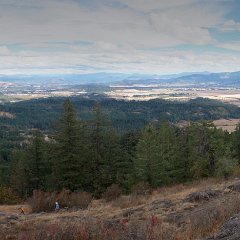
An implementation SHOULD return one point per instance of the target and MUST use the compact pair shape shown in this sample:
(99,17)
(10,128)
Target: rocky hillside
(230,230)
(198,211)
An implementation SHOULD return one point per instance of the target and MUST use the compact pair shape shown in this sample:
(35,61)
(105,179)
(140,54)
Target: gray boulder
(235,187)
(230,230)
(200,196)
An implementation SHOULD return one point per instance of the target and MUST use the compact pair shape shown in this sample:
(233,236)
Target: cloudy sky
(129,36)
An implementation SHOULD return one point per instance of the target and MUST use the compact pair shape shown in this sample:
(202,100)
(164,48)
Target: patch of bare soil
(227,124)
(7,115)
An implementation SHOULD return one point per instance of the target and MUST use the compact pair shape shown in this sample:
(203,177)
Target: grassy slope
(165,214)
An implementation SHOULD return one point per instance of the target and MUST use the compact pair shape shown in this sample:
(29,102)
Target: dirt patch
(7,115)
(227,124)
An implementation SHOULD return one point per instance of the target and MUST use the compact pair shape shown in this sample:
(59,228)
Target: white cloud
(117,34)
(150,5)
(235,46)
(69,21)
(116,59)
(4,51)
(174,28)
(230,25)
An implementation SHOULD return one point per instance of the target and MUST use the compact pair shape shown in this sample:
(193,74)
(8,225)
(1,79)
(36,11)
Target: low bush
(141,188)
(45,201)
(7,196)
(226,167)
(100,230)
(112,193)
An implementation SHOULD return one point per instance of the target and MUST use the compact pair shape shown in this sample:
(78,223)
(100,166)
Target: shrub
(225,167)
(112,193)
(98,230)
(45,201)
(80,199)
(7,196)
(141,188)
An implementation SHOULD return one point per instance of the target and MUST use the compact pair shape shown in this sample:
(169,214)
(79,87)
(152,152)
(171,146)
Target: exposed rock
(112,223)
(176,218)
(2,214)
(12,217)
(235,187)
(130,211)
(160,204)
(213,193)
(200,196)
(6,219)
(227,190)
(230,230)
(189,206)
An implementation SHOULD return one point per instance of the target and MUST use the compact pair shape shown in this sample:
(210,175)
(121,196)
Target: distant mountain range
(226,79)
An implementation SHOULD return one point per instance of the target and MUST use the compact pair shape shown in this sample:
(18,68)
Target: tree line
(91,155)
(125,116)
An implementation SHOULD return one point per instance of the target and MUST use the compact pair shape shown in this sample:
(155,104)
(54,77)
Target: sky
(120,36)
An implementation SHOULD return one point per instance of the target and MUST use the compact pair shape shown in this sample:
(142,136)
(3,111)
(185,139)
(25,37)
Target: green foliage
(203,146)
(90,155)
(225,167)
(157,155)
(141,189)
(236,143)
(109,161)
(68,150)
(19,174)
(124,115)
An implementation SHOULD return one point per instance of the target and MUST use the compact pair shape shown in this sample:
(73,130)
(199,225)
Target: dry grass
(227,124)
(8,196)
(45,201)
(14,209)
(112,193)
(137,217)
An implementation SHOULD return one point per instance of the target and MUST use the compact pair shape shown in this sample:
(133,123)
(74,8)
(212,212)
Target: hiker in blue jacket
(57,206)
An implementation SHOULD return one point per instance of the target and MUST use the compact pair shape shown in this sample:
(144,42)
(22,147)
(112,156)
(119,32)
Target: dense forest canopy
(124,115)
(90,144)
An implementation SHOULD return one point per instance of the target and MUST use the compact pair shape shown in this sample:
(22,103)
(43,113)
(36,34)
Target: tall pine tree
(70,150)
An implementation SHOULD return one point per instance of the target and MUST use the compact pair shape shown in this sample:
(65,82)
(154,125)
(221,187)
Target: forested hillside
(124,115)
(88,148)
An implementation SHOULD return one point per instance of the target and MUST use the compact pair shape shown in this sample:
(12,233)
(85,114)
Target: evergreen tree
(109,162)
(236,143)
(206,145)
(171,166)
(157,155)
(29,168)
(19,180)
(36,161)
(70,150)
(146,163)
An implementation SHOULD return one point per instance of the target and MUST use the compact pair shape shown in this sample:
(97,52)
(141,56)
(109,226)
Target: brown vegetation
(45,201)
(112,193)
(7,196)
(165,214)
(227,124)
(7,115)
